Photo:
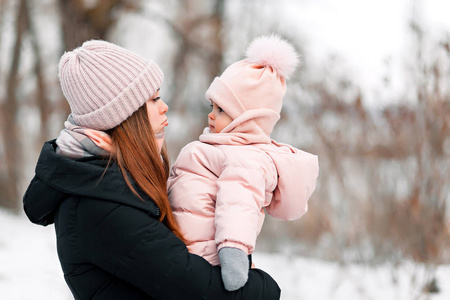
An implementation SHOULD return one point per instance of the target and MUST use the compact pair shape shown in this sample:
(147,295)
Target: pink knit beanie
(105,84)
(259,81)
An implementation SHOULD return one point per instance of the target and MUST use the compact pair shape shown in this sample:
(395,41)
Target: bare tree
(198,34)
(41,90)
(11,142)
(384,171)
(196,27)
(79,23)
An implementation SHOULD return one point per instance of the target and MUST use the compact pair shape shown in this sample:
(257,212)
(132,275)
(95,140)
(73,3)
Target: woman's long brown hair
(136,153)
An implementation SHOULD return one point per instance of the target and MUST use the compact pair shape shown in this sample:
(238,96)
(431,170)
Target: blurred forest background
(384,184)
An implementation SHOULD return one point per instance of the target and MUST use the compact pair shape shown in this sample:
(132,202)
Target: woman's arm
(140,250)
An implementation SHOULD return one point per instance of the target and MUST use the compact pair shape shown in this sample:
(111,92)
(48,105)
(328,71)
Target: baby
(220,186)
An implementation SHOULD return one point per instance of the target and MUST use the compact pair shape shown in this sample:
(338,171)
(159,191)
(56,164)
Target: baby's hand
(234,268)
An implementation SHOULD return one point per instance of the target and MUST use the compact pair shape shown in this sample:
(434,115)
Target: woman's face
(157,109)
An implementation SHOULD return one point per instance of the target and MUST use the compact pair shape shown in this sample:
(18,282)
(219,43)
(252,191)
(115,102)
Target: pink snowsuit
(219,187)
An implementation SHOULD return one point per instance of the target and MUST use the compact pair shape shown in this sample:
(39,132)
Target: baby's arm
(239,203)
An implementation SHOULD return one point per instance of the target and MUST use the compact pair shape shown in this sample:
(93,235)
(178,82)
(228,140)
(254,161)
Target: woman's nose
(163,108)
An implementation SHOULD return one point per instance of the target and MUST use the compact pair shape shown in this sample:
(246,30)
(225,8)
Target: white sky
(366,33)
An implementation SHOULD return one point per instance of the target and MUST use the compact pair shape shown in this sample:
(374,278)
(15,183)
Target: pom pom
(272,51)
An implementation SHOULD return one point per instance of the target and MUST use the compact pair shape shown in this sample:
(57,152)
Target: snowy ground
(29,270)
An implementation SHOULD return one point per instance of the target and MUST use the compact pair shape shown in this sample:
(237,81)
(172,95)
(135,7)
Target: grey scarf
(74,143)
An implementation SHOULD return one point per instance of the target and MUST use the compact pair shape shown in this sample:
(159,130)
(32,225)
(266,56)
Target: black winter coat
(111,244)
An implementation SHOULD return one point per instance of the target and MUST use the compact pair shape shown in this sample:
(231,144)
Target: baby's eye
(220,109)
(156,99)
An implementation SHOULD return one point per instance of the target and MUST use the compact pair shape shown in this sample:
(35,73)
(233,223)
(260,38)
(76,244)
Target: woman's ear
(100,138)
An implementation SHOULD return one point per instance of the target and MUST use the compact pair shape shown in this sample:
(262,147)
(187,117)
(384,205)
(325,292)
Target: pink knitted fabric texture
(105,83)
(245,86)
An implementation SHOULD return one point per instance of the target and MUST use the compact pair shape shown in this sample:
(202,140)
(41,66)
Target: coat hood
(297,170)
(59,177)
(297,175)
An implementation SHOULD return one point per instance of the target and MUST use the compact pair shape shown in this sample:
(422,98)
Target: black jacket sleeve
(40,206)
(140,250)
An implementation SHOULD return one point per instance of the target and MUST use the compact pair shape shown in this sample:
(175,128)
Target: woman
(102,182)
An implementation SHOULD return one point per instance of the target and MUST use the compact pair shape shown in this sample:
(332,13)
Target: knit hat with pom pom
(105,83)
(258,81)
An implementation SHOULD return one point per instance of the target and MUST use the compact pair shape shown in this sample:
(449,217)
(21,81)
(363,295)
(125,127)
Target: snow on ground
(29,270)
(29,266)
(305,279)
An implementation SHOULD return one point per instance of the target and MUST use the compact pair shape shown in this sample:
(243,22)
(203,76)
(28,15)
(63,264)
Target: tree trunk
(11,139)
(81,23)
(41,98)
(209,48)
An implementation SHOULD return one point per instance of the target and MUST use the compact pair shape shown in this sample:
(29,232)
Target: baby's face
(217,119)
